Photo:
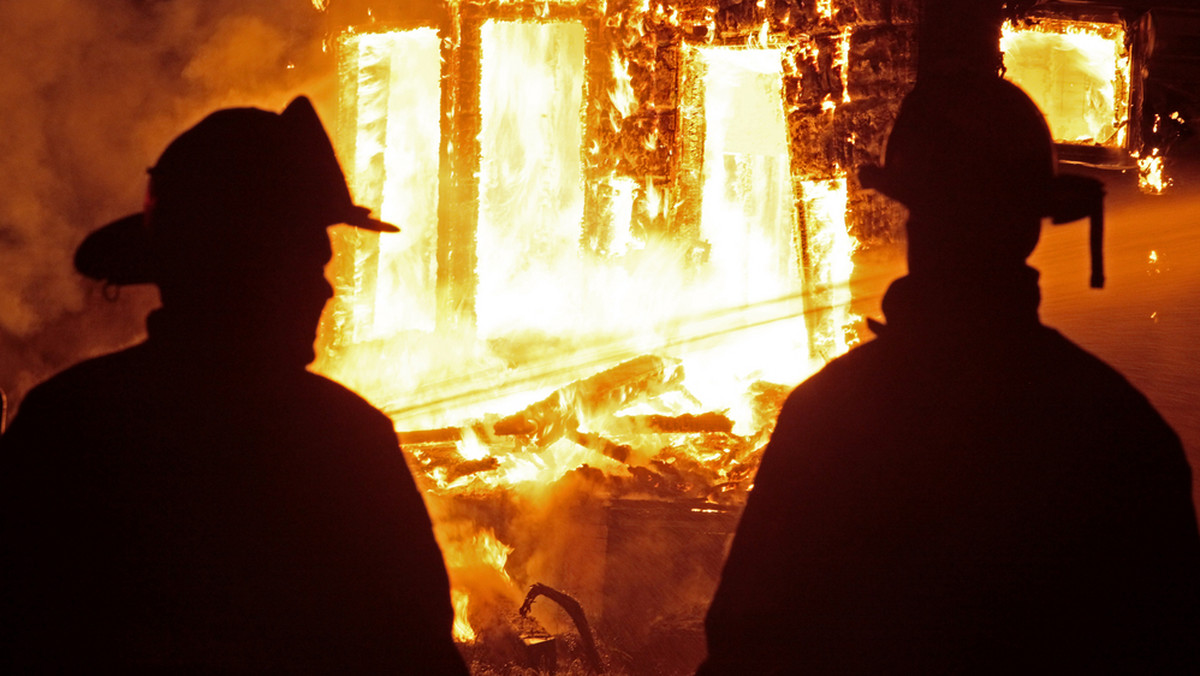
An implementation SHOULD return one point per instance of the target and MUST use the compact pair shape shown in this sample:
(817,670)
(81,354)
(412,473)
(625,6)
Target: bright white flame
(825,9)
(531,174)
(622,96)
(830,248)
(825,203)
(471,447)
(396,163)
(621,239)
(747,216)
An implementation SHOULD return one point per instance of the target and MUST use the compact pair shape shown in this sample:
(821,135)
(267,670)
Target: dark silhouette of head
(233,230)
(973,160)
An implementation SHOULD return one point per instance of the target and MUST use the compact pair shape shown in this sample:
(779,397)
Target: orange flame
(462,630)
(1151,178)
(710,313)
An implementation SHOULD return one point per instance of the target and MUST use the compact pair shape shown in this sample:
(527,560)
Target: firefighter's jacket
(173,509)
(969,492)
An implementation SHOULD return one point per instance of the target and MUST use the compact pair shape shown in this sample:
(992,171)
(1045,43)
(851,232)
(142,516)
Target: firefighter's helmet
(227,179)
(973,160)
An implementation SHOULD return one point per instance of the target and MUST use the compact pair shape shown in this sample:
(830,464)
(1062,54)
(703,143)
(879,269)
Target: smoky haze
(90,94)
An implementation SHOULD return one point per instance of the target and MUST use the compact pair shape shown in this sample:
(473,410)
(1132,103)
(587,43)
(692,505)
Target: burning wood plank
(595,442)
(594,397)
(442,454)
(441,435)
(679,424)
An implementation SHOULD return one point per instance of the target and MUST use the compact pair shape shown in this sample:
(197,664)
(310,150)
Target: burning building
(628,229)
(625,236)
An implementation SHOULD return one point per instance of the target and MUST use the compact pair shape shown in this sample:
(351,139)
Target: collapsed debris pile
(620,485)
(665,456)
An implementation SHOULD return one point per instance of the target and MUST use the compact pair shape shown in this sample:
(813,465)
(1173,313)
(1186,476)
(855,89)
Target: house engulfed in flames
(628,229)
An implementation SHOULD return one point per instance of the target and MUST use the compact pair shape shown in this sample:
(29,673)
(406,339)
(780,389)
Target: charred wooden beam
(468,467)
(441,435)
(434,455)
(687,423)
(595,442)
(593,397)
(519,424)
(458,184)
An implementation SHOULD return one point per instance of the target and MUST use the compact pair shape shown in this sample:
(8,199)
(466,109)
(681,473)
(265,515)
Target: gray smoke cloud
(90,94)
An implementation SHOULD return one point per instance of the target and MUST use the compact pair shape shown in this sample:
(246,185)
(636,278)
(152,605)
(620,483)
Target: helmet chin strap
(1074,197)
(1097,242)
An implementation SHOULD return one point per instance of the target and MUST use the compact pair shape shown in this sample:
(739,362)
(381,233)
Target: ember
(1150,172)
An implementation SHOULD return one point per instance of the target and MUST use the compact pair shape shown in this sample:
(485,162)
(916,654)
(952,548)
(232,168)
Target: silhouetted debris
(575,611)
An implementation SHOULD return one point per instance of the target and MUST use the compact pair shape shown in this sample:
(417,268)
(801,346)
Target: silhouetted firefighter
(969,492)
(200,503)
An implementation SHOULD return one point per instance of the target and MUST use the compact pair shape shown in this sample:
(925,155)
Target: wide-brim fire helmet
(240,178)
(973,160)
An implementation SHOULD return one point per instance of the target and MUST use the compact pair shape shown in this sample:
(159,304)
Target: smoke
(90,94)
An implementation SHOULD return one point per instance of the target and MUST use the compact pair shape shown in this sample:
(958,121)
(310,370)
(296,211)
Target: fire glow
(646,362)
(1078,74)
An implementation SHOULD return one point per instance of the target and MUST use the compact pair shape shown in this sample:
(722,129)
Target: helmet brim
(208,162)
(121,253)
(118,253)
